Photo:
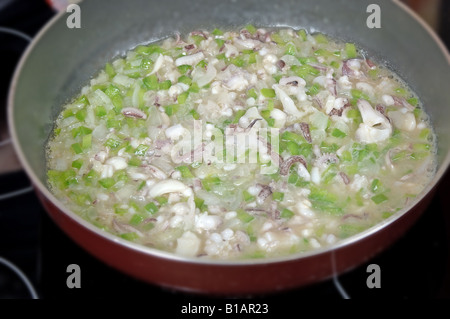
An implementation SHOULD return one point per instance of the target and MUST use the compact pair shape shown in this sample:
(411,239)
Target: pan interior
(62,60)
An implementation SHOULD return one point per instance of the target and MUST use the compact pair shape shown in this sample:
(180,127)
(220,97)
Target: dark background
(416,266)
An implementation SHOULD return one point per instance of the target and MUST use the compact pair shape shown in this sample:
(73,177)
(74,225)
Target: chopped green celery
(250,28)
(56,131)
(112,143)
(306,60)
(268,92)
(270,122)
(413,101)
(162,200)
(117,101)
(347,230)
(221,56)
(202,64)
(151,208)
(290,49)
(217,32)
(424,134)
(194,114)
(62,179)
(346,156)
(68,113)
(181,99)
(314,89)
(80,199)
(141,150)
(380,198)
(107,182)
(76,147)
(81,131)
(82,100)
(327,178)
(294,179)
(81,115)
(386,215)
(321,38)
(109,69)
(324,201)
(197,38)
(86,142)
(238,61)
(184,68)
(113,123)
(376,186)
(135,161)
(141,185)
(90,177)
(136,219)
(100,111)
(248,197)
(270,104)
(401,91)
(210,181)
(121,175)
(417,113)
(278,196)
(338,133)
(185,171)
(112,91)
(252,93)
(77,163)
(145,65)
(420,155)
(358,94)
(151,82)
(304,70)
(194,88)
(335,64)
(306,149)
(293,148)
(185,79)
(302,33)
(165,85)
(277,38)
(130,236)
(286,213)
(243,216)
(252,58)
(265,114)
(323,53)
(421,147)
(171,109)
(199,203)
(329,148)
(258,254)
(238,115)
(359,199)
(373,73)
(399,156)
(291,136)
(352,169)
(350,51)
(149,49)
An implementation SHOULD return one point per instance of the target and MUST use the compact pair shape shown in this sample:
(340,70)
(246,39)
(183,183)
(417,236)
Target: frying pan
(61,60)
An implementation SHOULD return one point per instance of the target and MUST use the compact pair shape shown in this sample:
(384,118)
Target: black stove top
(416,266)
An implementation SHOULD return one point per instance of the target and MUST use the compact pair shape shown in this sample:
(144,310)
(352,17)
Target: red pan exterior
(234,279)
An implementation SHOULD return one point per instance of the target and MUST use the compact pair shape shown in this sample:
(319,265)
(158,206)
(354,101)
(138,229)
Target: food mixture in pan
(251,143)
